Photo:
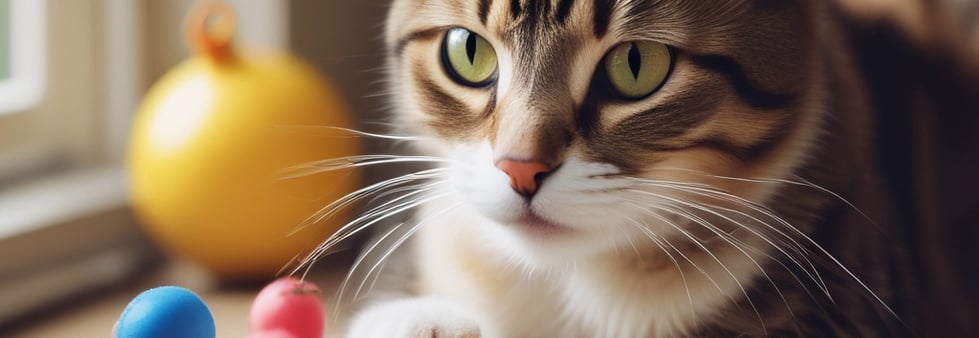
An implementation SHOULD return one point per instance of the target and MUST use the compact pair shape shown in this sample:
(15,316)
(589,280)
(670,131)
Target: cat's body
(739,197)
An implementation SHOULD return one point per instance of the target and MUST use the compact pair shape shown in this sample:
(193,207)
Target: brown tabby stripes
(744,87)
(515,9)
(449,116)
(541,10)
(602,16)
(564,10)
(484,8)
(536,44)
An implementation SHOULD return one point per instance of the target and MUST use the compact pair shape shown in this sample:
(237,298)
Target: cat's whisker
(763,180)
(811,241)
(817,278)
(819,283)
(349,162)
(404,189)
(414,229)
(364,255)
(339,132)
(377,276)
(697,242)
(389,124)
(853,276)
(651,211)
(380,94)
(382,212)
(380,271)
(662,239)
(724,196)
(379,211)
(795,245)
(805,182)
(656,241)
(733,241)
(331,209)
(632,243)
(361,223)
(791,273)
(811,271)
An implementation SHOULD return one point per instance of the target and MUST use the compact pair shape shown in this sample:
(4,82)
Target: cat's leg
(425,317)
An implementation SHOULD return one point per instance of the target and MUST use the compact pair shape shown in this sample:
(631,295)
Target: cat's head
(581,125)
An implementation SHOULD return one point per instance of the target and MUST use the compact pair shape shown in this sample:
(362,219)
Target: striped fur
(740,199)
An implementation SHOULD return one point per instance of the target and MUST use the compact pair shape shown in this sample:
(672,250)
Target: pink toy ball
(287,308)
(280,333)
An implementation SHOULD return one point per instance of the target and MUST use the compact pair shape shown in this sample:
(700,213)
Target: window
(22,78)
(69,80)
(21,54)
(78,69)
(43,123)
(4,40)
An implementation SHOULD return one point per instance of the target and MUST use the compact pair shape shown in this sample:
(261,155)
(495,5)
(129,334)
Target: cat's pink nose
(525,176)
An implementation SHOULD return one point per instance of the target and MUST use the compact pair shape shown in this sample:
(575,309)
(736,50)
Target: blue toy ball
(166,312)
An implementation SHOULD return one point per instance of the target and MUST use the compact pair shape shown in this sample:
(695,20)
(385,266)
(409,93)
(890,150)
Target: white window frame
(25,86)
(53,129)
(66,130)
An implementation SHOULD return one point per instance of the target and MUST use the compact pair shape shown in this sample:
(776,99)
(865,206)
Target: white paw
(414,318)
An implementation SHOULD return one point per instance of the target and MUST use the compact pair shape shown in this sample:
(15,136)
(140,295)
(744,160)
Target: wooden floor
(94,316)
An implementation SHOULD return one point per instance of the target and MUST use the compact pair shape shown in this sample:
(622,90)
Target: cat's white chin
(537,225)
(543,242)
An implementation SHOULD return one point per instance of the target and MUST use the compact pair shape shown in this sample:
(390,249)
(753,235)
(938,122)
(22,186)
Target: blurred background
(72,74)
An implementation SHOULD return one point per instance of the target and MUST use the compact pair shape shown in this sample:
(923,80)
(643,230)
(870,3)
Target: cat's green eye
(637,69)
(468,58)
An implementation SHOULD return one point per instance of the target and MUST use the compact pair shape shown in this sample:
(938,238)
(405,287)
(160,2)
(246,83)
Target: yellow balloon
(207,152)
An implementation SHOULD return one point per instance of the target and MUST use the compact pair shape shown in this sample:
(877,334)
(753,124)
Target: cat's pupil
(635,60)
(471,48)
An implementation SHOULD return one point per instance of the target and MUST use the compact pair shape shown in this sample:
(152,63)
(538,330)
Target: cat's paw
(415,318)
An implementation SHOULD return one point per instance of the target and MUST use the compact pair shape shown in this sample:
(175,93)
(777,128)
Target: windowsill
(66,235)
(52,200)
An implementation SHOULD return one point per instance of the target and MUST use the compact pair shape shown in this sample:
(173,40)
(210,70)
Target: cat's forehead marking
(483,10)
(552,12)
(546,35)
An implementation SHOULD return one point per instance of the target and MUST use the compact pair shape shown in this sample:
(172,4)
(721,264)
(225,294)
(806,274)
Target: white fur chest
(615,296)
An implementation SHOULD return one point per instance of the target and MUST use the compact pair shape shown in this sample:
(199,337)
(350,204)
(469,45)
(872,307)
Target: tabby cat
(631,168)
